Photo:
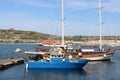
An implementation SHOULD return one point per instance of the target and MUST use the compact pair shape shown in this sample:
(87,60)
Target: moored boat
(56,59)
(91,54)
(49,43)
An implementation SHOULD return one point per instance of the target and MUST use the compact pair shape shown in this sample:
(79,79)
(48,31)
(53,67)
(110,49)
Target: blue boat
(56,59)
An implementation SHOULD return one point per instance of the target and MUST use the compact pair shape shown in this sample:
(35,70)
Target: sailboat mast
(100,23)
(62,22)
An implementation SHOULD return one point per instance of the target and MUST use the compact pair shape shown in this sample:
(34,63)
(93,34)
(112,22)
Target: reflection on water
(55,74)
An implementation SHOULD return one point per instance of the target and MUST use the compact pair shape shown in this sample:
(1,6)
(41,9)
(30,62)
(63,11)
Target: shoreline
(104,42)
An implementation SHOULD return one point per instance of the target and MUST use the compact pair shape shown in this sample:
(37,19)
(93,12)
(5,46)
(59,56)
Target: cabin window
(74,50)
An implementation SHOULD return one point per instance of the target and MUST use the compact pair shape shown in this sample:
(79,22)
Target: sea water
(99,70)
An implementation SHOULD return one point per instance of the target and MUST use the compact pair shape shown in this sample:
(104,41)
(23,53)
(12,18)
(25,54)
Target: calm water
(107,70)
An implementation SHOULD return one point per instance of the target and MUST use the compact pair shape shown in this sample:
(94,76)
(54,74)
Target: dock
(10,62)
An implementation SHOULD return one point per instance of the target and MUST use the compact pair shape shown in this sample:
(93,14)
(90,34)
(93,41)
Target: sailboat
(55,58)
(91,54)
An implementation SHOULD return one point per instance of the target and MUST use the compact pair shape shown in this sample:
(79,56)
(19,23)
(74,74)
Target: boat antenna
(100,23)
(62,22)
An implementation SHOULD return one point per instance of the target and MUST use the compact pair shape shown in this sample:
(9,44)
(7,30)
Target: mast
(62,22)
(100,23)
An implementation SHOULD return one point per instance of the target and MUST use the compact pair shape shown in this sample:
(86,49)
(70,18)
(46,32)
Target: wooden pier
(10,62)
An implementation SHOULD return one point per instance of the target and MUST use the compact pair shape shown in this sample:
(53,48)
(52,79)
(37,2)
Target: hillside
(18,36)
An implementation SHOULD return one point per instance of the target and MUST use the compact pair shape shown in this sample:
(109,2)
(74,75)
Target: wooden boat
(91,54)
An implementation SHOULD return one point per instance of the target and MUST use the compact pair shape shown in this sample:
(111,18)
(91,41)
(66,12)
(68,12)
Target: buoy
(18,50)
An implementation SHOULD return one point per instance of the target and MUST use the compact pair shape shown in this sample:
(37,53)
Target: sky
(81,16)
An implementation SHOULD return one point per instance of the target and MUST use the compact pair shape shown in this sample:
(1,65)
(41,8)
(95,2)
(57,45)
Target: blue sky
(81,16)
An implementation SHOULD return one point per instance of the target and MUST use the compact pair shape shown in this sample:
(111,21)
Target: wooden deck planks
(9,62)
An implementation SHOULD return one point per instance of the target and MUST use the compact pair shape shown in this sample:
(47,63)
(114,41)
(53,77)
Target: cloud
(109,5)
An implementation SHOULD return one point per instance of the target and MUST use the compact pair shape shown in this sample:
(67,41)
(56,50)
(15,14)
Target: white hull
(100,58)
(29,52)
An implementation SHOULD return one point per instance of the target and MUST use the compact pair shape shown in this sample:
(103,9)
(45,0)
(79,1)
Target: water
(101,70)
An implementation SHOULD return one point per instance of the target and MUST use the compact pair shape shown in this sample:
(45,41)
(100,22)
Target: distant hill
(19,36)
(16,36)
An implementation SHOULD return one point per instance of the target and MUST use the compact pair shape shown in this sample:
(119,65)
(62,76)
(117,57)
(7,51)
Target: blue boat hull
(37,64)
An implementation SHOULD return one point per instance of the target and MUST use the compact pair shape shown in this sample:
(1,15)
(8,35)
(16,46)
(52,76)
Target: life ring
(104,55)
